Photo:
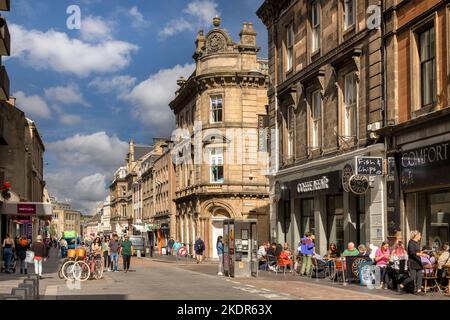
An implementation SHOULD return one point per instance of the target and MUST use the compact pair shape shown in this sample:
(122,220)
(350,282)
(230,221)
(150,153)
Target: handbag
(30,257)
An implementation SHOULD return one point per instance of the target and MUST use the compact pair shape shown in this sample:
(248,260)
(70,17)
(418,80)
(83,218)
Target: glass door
(307,217)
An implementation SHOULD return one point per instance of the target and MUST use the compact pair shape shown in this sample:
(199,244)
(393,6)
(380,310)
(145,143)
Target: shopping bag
(30,257)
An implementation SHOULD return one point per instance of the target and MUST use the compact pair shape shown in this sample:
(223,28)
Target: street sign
(182,252)
(369,166)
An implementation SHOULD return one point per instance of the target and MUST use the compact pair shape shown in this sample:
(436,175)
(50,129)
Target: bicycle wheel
(98,269)
(67,270)
(82,271)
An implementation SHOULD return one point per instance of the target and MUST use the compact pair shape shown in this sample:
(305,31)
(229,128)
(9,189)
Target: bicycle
(88,268)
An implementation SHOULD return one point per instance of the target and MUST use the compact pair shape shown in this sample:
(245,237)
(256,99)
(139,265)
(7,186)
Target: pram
(12,266)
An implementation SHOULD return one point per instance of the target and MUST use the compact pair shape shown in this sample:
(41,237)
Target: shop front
(331,200)
(425,182)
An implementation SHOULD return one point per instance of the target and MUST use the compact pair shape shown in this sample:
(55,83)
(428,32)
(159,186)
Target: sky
(93,89)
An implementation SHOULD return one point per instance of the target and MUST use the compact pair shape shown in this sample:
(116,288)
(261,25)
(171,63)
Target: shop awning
(27,209)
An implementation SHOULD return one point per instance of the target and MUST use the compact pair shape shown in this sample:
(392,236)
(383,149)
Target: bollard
(20,292)
(33,282)
(29,289)
(35,277)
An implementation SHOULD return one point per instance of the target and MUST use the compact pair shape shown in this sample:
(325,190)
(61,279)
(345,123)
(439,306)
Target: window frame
(219,157)
(348,26)
(316,120)
(291,119)
(213,108)
(290,47)
(350,125)
(430,59)
(316,12)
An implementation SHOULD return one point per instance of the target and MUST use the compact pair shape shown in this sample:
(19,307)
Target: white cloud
(204,11)
(85,163)
(69,119)
(91,188)
(95,28)
(99,149)
(151,97)
(118,84)
(56,51)
(33,106)
(66,95)
(198,13)
(138,20)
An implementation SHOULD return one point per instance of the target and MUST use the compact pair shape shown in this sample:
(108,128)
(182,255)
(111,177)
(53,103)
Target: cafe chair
(430,278)
(338,270)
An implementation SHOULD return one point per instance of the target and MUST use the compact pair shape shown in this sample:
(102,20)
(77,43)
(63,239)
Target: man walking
(114,246)
(126,249)
(307,251)
(170,244)
(199,248)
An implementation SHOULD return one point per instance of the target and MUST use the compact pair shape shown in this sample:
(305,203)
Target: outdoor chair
(430,278)
(271,261)
(338,270)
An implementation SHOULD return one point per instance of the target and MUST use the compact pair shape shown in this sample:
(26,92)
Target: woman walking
(21,250)
(8,251)
(126,250)
(219,247)
(40,254)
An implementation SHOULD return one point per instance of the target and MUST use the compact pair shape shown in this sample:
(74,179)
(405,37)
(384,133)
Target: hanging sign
(358,184)
(370,166)
(347,173)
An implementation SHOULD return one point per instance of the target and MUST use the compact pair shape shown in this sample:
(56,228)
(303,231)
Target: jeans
(126,261)
(38,267)
(106,259)
(417,277)
(23,265)
(306,264)
(7,255)
(63,252)
(220,263)
(115,260)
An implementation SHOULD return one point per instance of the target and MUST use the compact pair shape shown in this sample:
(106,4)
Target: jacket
(307,246)
(21,250)
(39,249)
(199,246)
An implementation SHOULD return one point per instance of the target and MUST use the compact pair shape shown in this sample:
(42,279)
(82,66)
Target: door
(217,230)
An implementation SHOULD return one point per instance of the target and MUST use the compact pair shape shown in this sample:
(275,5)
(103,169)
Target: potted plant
(5,188)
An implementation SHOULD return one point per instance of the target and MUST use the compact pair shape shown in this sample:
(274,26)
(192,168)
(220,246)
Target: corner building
(220,111)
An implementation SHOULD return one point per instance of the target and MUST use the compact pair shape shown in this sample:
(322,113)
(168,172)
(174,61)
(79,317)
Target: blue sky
(91,90)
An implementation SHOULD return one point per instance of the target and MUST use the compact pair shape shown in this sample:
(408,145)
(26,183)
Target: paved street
(161,278)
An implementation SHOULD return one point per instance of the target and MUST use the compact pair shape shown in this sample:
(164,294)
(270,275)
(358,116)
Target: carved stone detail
(216,42)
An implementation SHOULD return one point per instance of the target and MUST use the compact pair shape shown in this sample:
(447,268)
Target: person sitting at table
(394,273)
(262,256)
(286,248)
(444,260)
(332,252)
(382,257)
(271,256)
(351,251)
(363,252)
(428,260)
(284,259)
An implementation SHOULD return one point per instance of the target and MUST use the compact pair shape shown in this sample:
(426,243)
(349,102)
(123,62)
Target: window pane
(424,46)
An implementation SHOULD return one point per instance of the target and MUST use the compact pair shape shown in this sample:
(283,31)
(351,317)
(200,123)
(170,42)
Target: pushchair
(12,265)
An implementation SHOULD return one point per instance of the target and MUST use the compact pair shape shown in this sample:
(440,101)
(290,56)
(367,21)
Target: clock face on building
(358,184)
(347,172)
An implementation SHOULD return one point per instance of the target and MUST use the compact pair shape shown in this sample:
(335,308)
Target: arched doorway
(217,219)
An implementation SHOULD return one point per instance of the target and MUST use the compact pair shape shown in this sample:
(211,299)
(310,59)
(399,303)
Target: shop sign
(359,184)
(425,167)
(370,166)
(321,184)
(347,173)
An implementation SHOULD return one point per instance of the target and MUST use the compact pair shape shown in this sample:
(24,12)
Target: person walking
(21,250)
(307,251)
(40,254)
(199,248)
(126,250)
(106,257)
(63,245)
(414,262)
(170,244)
(114,248)
(8,252)
(219,247)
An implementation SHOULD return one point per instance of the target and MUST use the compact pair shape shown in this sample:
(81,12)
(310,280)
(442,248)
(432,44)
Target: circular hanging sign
(347,173)
(182,252)
(358,184)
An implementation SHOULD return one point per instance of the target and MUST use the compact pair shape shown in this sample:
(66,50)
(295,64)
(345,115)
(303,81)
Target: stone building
(325,100)
(417,126)
(219,111)
(65,218)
